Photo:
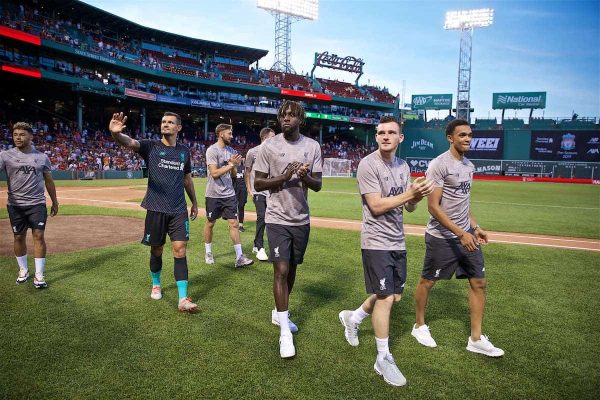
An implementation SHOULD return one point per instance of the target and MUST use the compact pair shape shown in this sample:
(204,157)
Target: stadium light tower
(287,12)
(465,21)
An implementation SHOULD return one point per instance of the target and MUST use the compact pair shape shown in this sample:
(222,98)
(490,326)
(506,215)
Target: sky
(551,46)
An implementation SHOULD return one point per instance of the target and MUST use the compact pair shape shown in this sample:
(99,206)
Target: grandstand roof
(87,12)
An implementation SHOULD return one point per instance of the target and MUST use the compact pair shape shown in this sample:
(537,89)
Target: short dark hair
(264,132)
(453,124)
(172,114)
(390,118)
(23,126)
(295,107)
(223,127)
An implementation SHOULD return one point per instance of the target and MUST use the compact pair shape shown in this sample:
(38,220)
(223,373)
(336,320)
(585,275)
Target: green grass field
(96,334)
(543,208)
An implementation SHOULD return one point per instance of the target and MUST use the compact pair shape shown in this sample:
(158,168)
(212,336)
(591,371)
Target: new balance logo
(147,237)
(276,251)
(41,224)
(483,270)
(25,169)
(382,284)
(14,228)
(437,273)
(210,214)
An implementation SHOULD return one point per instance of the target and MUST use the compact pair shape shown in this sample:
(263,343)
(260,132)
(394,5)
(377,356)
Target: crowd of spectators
(93,149)
(93,38)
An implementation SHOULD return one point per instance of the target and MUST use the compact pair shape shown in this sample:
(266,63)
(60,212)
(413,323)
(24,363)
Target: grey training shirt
(386,231)
(455,177)
(25,172)
(289,205)
(222,186)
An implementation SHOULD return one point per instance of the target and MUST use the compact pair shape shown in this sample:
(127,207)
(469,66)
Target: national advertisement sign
(565,145)
(431,102)
(518,100)
(486,144)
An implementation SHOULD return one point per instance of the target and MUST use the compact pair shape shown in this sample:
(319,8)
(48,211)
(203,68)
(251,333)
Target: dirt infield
(123,196)
(71,233)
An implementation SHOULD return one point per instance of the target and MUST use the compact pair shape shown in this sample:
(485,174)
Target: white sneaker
(23,275)
(261,255)
(423,335)
(156,293)
(387,368)
(209,259)
(286,346)
(484,346)
(275,321)
(350,328)
(254,250)
(39,281)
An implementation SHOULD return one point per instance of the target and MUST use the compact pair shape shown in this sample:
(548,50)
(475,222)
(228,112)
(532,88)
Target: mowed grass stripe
(96,334)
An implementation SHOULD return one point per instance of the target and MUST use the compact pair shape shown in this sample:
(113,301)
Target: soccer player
(28,170)
(241,193)
(222,162)
(169,173)
(384,185)
(259,198)
(287,166)
(453,238)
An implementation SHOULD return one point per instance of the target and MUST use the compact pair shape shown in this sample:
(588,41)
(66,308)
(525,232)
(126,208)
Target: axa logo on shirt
(489,144)
(26,169)
(394,191)
(464,187)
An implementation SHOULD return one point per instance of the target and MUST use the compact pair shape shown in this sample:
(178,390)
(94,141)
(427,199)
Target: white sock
(382,347)
(238,250)
(22,262)
(40,263)
(358,315)
(283,322)
(208,247)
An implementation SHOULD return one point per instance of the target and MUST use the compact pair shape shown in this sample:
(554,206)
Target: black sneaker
(242,228)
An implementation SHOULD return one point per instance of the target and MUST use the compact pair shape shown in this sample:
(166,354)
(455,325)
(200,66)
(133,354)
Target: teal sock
(182,289)
(155,278)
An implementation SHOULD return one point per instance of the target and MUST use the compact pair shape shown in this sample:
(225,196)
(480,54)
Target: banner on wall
(487,144)
(431,102)
(565,145)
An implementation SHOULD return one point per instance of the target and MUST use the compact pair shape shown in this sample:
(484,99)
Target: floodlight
(287,12)
(466,21)
(307,9)
(469,18)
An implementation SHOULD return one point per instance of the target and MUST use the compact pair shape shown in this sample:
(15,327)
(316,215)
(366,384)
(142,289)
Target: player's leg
(213,213)
(260,203)
(385,275)
(37,217)
(230,212)
(242,197)
(179,232)
(280,242)
(472,267)
(477,288)
(155,233)
(351,320)
(421,298)
(18,222)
